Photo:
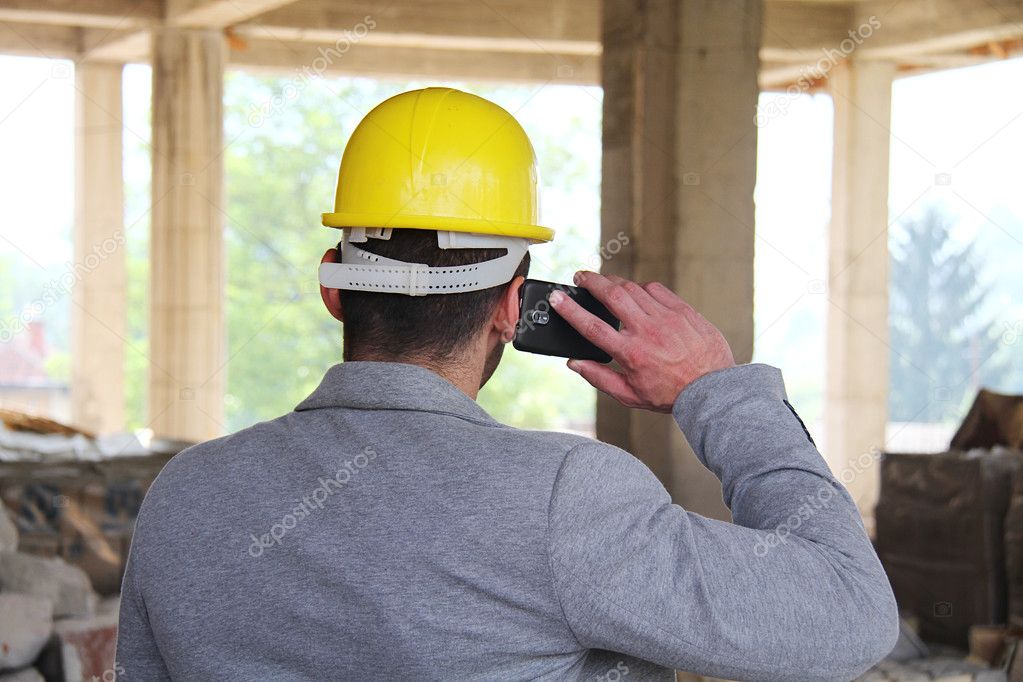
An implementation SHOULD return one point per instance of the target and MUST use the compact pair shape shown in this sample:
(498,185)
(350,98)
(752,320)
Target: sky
(36,157)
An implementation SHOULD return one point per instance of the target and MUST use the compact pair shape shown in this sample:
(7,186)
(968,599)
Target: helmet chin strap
(360,270)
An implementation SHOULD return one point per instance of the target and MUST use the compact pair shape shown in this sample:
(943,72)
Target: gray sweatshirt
(390,529)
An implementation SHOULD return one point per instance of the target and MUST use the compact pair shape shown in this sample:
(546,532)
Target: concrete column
(856,407)
(679,167)
(187,329)
(98,310)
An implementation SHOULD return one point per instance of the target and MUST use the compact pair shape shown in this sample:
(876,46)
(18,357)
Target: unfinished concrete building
(681,81)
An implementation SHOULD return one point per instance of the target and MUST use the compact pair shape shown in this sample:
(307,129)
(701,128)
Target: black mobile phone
(541,330)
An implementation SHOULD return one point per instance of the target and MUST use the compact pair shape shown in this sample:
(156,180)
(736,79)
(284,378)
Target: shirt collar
(392,386)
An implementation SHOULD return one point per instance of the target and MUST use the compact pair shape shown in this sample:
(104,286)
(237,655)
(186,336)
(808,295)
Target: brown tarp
(1014,551)
(941,538)
(994,419)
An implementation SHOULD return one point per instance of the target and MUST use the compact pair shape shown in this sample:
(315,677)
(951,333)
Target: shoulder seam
(493,423)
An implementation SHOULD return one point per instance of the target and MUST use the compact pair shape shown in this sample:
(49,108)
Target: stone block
(65,586)
(8,531)
(83,512)
(23,675)
(26,623)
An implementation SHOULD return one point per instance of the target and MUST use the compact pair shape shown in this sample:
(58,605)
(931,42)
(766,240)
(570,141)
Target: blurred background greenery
(283,150)
(956,311)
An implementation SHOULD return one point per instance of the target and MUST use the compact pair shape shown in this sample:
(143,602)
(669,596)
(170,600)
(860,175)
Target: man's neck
(464,375)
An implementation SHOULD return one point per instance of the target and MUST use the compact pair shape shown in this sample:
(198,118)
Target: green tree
(943,344)
(281,166)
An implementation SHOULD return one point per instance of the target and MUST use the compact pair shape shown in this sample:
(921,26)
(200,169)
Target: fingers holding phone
(663,344)
(541,330)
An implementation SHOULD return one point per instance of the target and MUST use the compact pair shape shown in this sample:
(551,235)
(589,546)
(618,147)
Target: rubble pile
(68,503)
(937,668)
(950,536)
(45,606)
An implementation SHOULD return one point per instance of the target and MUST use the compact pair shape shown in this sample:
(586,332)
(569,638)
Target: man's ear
(331,297)
(507,314)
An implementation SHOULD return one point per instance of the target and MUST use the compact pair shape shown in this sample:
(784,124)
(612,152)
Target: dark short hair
(432,327)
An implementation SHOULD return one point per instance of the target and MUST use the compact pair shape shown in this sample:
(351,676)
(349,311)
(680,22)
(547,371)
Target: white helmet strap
(361,270)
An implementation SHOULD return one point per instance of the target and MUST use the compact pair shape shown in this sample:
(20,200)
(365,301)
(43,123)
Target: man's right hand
(663,345)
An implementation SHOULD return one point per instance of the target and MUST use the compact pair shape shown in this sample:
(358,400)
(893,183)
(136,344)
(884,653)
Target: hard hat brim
(417,222)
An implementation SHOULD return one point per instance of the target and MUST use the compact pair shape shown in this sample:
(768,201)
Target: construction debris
(1014,551)
(8,532)
(22,421)
(27,438)
(83,512)
(941,538)
(23,675)
(945,669)
(988,643)
(83,648)
(909,645)
(994,419)
(68,503)
(67,588)
(26,623)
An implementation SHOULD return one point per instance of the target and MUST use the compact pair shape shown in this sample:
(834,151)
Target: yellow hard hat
(439,159)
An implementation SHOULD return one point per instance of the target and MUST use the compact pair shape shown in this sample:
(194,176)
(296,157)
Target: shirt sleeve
(138,657)
(791,590)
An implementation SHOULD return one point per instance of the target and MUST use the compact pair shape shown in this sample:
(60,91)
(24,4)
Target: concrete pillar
(187,328)
(679,167)
(856,402)
(98,311)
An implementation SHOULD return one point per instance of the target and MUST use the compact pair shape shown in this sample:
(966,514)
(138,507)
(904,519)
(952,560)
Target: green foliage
(283,150)
(136,347)
(944,345)
(58,365)
(281,175)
